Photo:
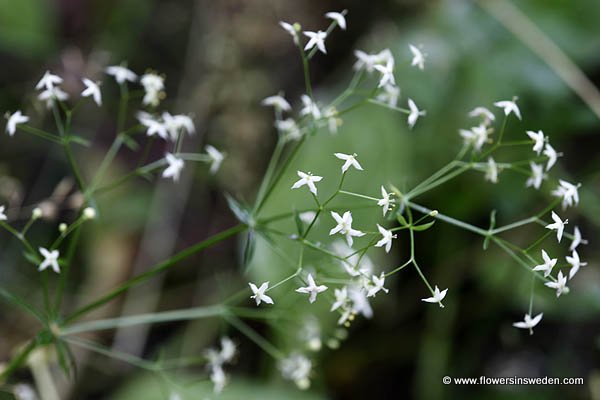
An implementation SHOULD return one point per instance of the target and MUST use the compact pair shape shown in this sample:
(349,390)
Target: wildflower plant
(334,269)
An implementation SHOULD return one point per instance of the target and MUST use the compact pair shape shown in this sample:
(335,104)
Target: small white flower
(491,172)
(312,289)
(333,120)
(307,217)
(337,17)
(344,226)
(387,238)
(418,57)
(216,158)
(92,89)
(154,126)
(560,285)
(551,154)
(154,85)
(350,161)
(307,179)
(89,213)
(341,297)
(547,265)
(309,107)
(259,293)
(296,367)
(121,74)
(378,282)
(414,114)
(483,112)
(538,140)
(387,73)
(568,192)
(174,168)
(218,378)
(15,119)
(385,202)
(477,136)
(577,239)
(289,128)
(228,350)
(364,60)
(575,263)
(437,297)
(2,214)
(51,95)
(390,95)
(48,81)
(316,39)
(528,322)
(537,175)
(278,102)
(509,106)
(178,123)
(291,29)
(50,260)
(558,225)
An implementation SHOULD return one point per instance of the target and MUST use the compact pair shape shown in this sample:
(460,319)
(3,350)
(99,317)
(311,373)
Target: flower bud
(89,213)
(36,213)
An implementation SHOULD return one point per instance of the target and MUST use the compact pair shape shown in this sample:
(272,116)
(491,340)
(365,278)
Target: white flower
(387,238)
(385,202)
(2,214)
(296,367)
(89,213)
(560,285)
(154,126)
(360,302)
(509,106)
(50,260)
(153,88)
(575,263)
(178,123)
(476,136)
(491,172)
(289,128)
(437,297)
(537,175)
(316,39)
(487,115)
(309,107)
(364,60)
(568,192)
(387,73)
(337,17)
(414,113)
(350,160)
(307,179)
(92,89)
(529,322)
(538,140)
(278,102)
(418,57)
(390,95)
(547,265)
(228,349)
(577,239)
(48,81)
(259,293)
(218,378)
(15,119)
(378,282)
(312,289)
(291,29)
(51,95)
(551,154)
(216,158)
(558,225)
(307,217)
(174,168)
(121,74)
(344,226)
(341,297)
(333,121)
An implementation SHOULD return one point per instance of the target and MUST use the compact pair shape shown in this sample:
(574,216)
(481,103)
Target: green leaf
(401,219)
(21,303)
(423,227)
(66,360)
(130,143)
(240,212)
(79,140)
(298,221)
(249,247)
(32,258)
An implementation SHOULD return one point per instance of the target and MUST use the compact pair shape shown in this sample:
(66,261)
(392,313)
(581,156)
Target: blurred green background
(220,59)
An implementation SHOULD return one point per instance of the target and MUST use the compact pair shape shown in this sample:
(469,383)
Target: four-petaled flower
(92,89)
(385,202)
(216,158)
(316,39)
(537,175)
(387,73)
(551,154)
(174,168)
(560,285)
(418,57)
(307,179)
(437,297)
(558,225)
(491,171)
(577,239)
(548,264)
(341,297)
(337,17)
(344,226)
(312,289)
(538,140)
(48,81)
(121,74)
(568,192)
(387,238)
(575,263)
(487,115)
(50,260)
(509,106)
(278,102)
(15,119)
(259,293)
(377,285)
(414,113)
(528,322)
(350,160)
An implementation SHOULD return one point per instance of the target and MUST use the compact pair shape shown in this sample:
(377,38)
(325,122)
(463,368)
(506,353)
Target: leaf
(79,140)
(65,359)
(240,212)
(24,305)
(401,219)
(298,221)
(32,258)
(130,143)
(249,248)
(423,227)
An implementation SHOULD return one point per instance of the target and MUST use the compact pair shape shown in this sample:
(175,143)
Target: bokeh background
(220,59)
